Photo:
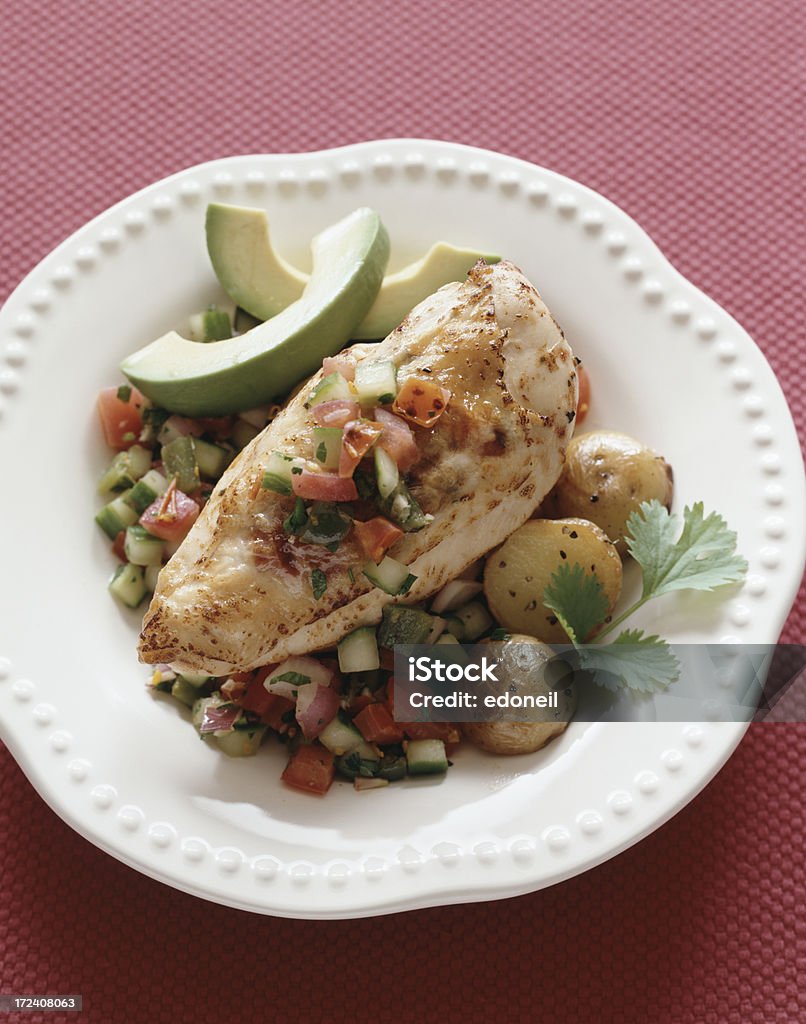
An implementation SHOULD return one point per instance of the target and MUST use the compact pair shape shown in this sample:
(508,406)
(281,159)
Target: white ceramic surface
(128,773)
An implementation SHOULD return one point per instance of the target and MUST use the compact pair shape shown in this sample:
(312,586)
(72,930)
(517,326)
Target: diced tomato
(219,427)
(360,701)
(171,515)
(584,399)
(117,548)
(345,365)
(311,769)
(376,536)
(421,400)
(271,707)
(376,725)
(397,439)
(121,420)
(336,413)
(359,436)
(323,486)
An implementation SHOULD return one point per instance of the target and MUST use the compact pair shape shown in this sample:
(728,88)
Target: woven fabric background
(690,117)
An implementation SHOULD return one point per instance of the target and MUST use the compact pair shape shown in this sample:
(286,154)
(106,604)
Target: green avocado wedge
(222,377)
(260,281)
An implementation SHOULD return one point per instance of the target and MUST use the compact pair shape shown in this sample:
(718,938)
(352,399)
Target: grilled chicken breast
(237,594)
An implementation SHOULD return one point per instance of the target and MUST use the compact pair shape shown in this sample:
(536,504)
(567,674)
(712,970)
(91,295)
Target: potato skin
(511,738)
(517,574)
(605,478)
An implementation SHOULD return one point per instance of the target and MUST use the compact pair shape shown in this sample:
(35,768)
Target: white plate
(127,772)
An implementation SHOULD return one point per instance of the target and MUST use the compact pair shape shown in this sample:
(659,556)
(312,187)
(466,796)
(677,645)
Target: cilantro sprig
(699,556)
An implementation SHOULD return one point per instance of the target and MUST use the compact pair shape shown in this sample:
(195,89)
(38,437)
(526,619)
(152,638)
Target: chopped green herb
(296,470)
(124,392)
(295,678)
(297,520)
(318,583)
(577,599)
(321,452)
(644,664)
(407,584)
(351,574)
(703,557)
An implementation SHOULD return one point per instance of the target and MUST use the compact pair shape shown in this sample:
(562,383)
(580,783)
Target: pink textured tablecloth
(690,117)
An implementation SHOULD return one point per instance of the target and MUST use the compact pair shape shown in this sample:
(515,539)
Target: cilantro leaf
(297,520)
(703,557)
(577,599)
(318,583)
(295,678)
(644,664)
(124,392)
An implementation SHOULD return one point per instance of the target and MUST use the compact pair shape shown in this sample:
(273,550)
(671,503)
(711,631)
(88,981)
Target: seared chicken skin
(237,594)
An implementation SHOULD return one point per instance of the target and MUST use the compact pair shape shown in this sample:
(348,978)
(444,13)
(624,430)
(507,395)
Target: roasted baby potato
(521,670)
(517,574)
(605,478)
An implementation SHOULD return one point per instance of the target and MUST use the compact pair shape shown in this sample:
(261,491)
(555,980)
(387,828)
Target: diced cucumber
(455,594)
(179,459)
(454,627)
(147,489)
(116,477)
(426,757)
(142,547)
(116,516)
(361,762)
(196,679)
(391,576)
(475,619)
(340,736)
(330,388)
(453,653)
(243,433)
(243,321)
(358,651)
(277,474)
(327,446)
(387,474)
(128,584)
(211,324)
(211,459)
(184,692)
(376,382)
(241,742)
(151,575)
(402,625)
(402,508)
(125,469)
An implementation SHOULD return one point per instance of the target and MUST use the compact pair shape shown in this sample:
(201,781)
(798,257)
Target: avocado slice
(240,373)
(261,282)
